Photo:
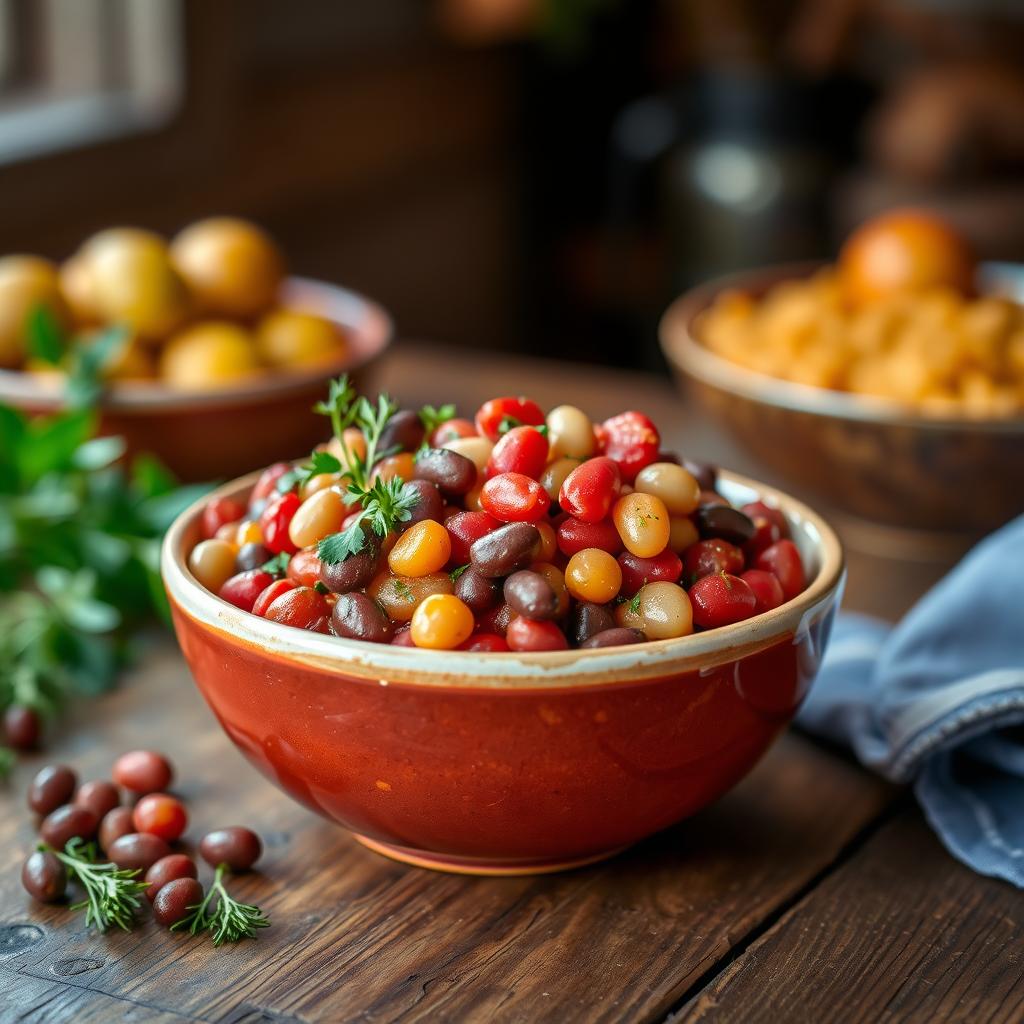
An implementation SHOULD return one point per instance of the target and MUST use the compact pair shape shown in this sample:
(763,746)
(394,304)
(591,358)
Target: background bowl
(871,458)
(506,763)
(210,435)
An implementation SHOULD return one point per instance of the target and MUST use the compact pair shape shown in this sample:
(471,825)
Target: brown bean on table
(44,876)
(167,869)
(138,850)
(66,823)
(116,823)
(98,796)
(52,786)
(171,904)
(236,846)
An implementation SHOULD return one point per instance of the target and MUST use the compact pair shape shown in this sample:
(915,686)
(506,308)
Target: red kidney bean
(429,504)
(404,429)
(236,846)
(276,520)
(116,823)
(588,620)
(766,587)
(52,786)
(783,559)
(98,796)
(514,498)
(637,571)
(709,556)
(167,869)
(575,535)
(484,642)
(301,608)
(530,594)
(590,490)
(449,471)
(356,616)
(760,508)
(532,635)
(505,550)
(619,636)
(252,556)
(355,572)
(631,441)
(243,588)
(271,594)
(219,512)
(766,533)
(720,599)
(724,522)
(476,591)
(464,529)
(68,822)
(519,450)
(304,568)
(495,620)
(175,899)
(138,850)
(143,771)
(703,472)
(44,876)
(22,727)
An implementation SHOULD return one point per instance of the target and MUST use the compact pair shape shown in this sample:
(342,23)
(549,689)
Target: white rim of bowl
(681,346)
(514,671)
(367,320)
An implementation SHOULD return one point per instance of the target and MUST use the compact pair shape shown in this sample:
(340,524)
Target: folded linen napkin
(938,700)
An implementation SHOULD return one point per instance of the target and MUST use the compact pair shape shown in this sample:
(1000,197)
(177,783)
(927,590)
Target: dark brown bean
(358,617)
(115,823)
(68,822)
(429,505)
(167,869)
(531,595)
(703,472)
(505,550)
(52,786)
(355,572)
(175,900)
(44,876)
(498,621)
(138,850)
(711,499)
(452,473)
(98,796)
(587,620)
(404,429)
(22,727)
(236,846)
(477,591)
(143,771)
(252,556)
(730,524)
(619,636)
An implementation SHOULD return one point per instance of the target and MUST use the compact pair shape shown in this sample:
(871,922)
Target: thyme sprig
(111,893)
(227,919)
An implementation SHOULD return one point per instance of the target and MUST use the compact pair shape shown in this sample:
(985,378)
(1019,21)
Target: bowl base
(480,866)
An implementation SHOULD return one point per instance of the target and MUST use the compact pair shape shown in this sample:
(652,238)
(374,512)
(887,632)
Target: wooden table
(812,892)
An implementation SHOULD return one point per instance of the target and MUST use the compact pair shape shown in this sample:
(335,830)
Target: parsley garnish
(634,605)
(385,505)
(457,572)
(402,590)
(278,565)
(432,418)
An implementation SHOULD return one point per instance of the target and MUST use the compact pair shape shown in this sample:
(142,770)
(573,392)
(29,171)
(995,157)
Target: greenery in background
(79,541)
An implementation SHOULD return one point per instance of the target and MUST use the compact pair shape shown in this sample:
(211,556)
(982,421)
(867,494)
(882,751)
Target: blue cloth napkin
(938,701)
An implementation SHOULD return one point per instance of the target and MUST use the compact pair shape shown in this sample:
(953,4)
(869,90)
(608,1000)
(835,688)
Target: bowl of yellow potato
(213,356)
(889,385)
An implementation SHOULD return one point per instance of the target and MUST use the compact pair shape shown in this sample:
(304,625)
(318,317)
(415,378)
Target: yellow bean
(643,523)
(316,517)
(676,487)
(212,562)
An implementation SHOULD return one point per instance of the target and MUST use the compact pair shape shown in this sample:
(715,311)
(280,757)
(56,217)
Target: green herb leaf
(458,571)
(432,417)
(634,605)
(111,893)
(385,505)
(228,920)
(44,335)
(278,565)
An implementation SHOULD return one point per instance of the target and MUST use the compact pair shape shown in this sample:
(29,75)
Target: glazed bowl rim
(683,349)
(373,323)
(511,671)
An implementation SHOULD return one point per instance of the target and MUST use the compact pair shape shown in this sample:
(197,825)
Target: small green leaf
(432,417)
(44,336)
(634,605)
(278,565)
(458,571)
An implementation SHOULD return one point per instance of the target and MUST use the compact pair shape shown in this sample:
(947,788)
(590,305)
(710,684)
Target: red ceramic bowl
(209,435)
(506,763)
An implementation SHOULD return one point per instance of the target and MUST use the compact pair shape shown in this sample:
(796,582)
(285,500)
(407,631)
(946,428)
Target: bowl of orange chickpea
(889,384)
(206,349)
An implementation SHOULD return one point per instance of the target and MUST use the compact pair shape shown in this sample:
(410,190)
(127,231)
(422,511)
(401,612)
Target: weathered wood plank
(901,932)
(358,937)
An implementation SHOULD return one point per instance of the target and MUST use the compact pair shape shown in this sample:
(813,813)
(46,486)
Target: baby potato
(231,266)
(208,355)
(25,283)
(288,337)
(79,291)
(133,282)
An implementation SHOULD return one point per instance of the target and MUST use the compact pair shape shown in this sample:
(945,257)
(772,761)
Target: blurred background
(531,175)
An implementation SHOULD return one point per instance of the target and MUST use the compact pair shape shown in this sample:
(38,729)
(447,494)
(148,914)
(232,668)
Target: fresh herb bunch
(79,547)
(111,893)
(227,920)
(385,503)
